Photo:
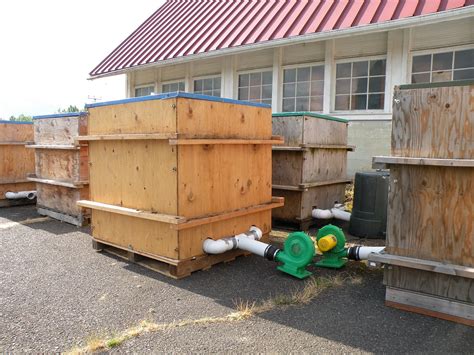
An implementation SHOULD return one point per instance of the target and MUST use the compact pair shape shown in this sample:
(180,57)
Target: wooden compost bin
(310,169)
(16,160)
(430,235)
(169,171)
(62,169)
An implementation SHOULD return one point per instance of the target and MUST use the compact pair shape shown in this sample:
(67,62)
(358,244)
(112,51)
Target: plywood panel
(291,128)
(57,164)
(287,167)
(324,165)
(431,213)
(140,235)
(434,122)
(135,174)
(153,116)
(16,132)
(61,199)
(209,119)
(16,162)
(57,131)
(440,285)
(219,178)
(24,186)
(321,131)
(190,240)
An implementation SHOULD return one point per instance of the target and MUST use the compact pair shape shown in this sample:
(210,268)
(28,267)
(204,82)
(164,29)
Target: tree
(22,118)
(71,108)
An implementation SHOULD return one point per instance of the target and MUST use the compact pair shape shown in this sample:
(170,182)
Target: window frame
(141,86)
(450,49)
(251,71)
(210,76)
(301,65)
(352,60)
(173,82)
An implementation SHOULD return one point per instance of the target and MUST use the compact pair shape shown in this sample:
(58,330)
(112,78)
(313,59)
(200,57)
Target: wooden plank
(61,165)
(53,146)
(427,265)
(129,136)
(70,184)
(157,217)
(224,141)
(435,122)
(325,183)
(431,214)
(15,143)
(190,223)
(459,312)
(12,181)
(349,148)
(11,132)
(16,161)
(78,221)
(384,162)
(288,188)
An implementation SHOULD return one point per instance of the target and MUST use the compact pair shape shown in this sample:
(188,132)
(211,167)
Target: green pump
(297,254)
(331,242)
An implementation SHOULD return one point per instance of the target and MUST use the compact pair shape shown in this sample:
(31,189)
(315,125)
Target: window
(256,87)
(446,66)
(144,90)
(173,87)
(208,86)
(360,85)
(303,89)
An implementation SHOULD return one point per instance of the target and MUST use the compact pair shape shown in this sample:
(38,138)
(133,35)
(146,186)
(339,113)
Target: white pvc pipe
(30,195)
(365,251)
(340,214)
(246,241)
(321,214)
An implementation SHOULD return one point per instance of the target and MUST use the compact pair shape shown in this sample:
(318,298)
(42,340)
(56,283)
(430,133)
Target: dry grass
(349,197)
(243,310)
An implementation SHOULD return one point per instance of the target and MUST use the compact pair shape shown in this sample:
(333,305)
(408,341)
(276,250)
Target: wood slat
(421,264)
(325,183)
(71,184)
(383,162)
(15,143)
(158,217)
(12,181)
(198,141)
(126,136)
(190,223)
(53,146)
(350,148)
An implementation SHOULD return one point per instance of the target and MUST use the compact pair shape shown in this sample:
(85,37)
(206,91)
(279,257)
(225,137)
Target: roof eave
(311,37)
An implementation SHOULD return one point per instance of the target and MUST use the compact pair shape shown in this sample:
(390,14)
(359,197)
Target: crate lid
(60,115)
(437,85)
(14,122)
(172,95)
(311,114)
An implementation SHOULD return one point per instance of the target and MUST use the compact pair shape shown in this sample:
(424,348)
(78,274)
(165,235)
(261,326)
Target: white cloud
(48,48)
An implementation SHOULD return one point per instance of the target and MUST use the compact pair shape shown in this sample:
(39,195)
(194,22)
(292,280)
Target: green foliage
(71,108)
(22,118)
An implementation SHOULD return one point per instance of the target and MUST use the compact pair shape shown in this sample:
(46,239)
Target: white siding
(255,60)
(361,46)
(143,77)
(303,53)
(173,72)
(207,67)
(445,34)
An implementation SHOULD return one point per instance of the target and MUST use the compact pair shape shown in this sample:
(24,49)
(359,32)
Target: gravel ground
(56,293)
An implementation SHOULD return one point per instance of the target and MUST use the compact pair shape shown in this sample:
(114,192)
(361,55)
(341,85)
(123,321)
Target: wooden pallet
(176,269)
(80,221)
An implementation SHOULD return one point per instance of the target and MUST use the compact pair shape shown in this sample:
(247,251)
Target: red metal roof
(184,27)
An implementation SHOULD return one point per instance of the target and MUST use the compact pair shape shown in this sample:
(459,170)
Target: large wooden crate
(169,171)
(62,168)
(430,236)
(15,160)
(310,169)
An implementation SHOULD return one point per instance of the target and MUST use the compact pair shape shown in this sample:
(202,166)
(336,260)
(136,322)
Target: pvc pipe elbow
(321,214)
(211,246)
(340,214)
(10,195)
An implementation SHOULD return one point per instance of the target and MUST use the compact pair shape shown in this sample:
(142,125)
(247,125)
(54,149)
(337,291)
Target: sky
(48,48)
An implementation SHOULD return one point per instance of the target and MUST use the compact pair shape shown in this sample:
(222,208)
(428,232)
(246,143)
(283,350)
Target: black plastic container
(369,210)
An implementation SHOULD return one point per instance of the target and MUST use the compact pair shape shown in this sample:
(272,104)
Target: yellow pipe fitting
(327,242)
